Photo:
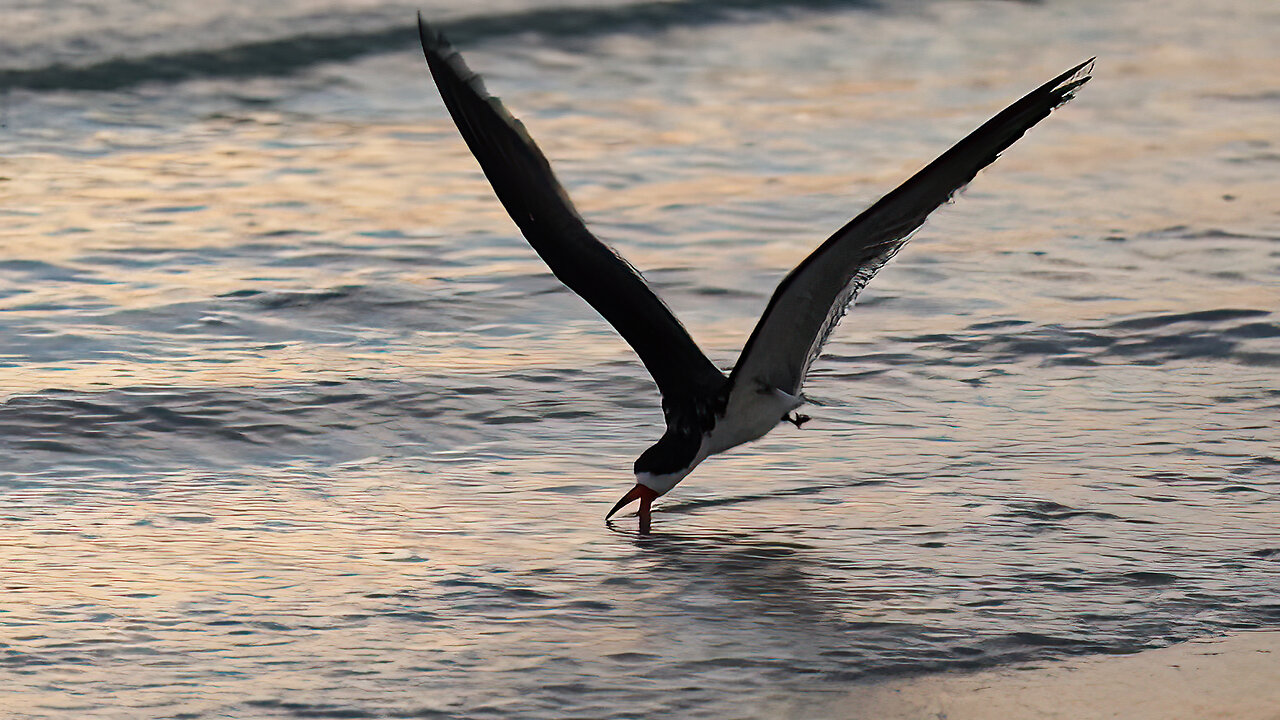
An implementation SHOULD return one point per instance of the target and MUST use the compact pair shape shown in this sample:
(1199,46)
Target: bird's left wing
(522,179)
(810,301)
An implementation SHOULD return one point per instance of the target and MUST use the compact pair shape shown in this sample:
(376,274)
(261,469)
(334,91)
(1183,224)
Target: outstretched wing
(814,296)
(524,183)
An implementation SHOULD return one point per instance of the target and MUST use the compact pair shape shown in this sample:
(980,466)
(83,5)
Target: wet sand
(1235,677)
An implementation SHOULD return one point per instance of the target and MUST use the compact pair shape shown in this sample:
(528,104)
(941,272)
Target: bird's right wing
(522,179)
(810,301)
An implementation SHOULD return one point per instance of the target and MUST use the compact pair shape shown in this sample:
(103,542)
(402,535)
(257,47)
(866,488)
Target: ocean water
(294,424)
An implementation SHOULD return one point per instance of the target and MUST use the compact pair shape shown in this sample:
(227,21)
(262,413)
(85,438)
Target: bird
(706,411)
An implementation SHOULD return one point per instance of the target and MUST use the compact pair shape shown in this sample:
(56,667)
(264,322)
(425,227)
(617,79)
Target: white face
(662,483)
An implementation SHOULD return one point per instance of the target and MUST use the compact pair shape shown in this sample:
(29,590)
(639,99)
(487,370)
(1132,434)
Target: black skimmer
(707,412)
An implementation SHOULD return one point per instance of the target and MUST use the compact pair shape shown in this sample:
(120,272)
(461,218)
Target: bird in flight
(707,413)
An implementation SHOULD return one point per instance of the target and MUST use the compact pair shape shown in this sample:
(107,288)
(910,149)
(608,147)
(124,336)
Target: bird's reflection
(767,575)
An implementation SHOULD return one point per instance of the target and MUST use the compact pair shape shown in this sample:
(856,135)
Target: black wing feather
(524,183)
(810,301)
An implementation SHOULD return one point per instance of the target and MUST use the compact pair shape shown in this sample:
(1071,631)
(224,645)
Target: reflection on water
(296,426)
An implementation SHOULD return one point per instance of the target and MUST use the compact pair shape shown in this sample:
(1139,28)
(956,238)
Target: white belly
(749,415)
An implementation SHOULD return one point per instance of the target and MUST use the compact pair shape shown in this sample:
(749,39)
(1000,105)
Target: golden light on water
(236,188)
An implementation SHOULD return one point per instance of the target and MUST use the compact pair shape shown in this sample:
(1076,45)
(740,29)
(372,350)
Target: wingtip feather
(1069,83)
(432,40)
(441,56)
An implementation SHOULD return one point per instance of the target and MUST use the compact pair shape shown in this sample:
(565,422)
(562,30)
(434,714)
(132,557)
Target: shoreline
(1232,677)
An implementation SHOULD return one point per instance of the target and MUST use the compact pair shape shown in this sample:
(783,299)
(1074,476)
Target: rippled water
(296,425)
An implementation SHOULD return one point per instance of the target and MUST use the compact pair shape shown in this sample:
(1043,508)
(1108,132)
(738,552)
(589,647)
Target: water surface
(296,425)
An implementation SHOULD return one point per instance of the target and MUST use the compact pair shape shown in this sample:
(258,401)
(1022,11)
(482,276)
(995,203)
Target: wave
(1241,336)
(291,54)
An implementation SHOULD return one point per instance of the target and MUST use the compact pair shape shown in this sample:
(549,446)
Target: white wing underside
(840,308)
(809,303)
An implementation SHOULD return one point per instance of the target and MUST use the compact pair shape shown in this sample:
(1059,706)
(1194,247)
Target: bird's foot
(796,419)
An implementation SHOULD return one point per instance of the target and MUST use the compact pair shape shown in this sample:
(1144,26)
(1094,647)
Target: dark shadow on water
(688,506)
(804,608)
(769,576)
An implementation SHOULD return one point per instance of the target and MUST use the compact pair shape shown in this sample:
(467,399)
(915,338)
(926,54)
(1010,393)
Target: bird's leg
(796,419)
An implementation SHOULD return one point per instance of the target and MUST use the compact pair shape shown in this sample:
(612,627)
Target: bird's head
(659,469)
